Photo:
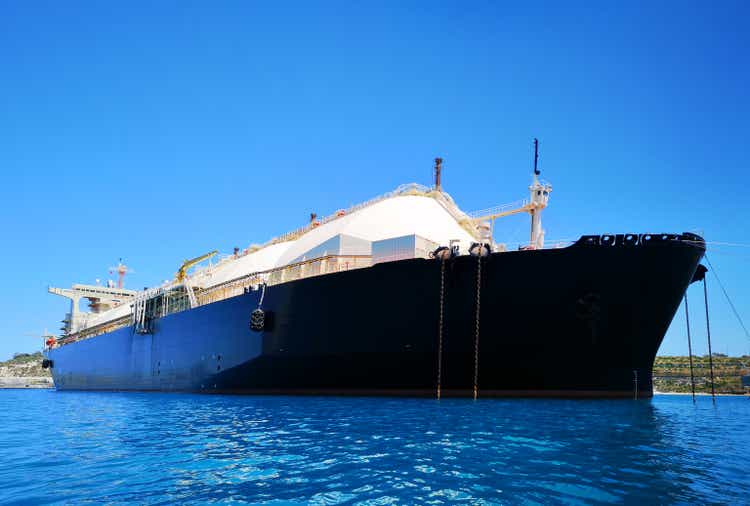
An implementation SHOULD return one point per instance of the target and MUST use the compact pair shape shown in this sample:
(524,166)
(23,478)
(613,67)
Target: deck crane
(540,190)
(181,275)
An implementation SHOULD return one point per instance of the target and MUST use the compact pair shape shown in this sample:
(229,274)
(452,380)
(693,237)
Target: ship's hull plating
(586,320)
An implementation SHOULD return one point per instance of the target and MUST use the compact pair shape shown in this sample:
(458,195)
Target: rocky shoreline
(26,382)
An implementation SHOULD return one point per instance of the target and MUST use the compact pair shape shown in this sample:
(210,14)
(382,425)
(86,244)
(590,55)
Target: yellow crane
(187,264)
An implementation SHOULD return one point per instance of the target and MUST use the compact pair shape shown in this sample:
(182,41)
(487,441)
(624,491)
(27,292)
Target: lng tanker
(405,294)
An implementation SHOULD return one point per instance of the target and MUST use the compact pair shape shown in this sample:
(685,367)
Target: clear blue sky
(157,131)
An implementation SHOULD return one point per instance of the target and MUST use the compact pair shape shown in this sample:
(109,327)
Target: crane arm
(503,213)
(182,272)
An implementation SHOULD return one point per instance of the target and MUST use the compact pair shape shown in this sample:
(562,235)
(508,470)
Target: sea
(151,448)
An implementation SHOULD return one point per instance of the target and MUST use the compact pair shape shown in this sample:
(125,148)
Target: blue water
(60,447)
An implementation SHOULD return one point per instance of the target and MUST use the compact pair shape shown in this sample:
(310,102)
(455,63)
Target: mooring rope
(726,295)
(708,333)
(262,294)
(476,324)
(690,347)
(717,243)
(440,327)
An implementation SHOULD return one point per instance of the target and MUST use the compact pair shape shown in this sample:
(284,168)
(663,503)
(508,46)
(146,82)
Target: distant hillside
(672,374)
(24,370)
(24,364)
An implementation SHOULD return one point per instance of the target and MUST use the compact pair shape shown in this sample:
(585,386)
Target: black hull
(586,320)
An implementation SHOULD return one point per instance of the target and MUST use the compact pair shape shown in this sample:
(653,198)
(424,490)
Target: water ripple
(161,449)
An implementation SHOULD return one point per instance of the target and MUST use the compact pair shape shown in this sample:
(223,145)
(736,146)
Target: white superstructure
(406,223)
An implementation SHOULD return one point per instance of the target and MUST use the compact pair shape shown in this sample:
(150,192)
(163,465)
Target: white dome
(389,218)
(422,213)
(262,260)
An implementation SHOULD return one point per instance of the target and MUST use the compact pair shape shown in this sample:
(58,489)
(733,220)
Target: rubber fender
(257,320)
(261,320)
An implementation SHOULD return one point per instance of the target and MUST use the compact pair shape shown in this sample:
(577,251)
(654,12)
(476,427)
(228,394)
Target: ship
(404,294)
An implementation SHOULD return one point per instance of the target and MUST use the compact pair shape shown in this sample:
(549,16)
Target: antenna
(536,157)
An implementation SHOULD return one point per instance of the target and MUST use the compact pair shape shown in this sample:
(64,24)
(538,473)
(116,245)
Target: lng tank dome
(383,229)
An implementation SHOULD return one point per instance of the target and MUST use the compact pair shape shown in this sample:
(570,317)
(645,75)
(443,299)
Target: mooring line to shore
(708,334)
(690,347)
(726,295)
(717,243)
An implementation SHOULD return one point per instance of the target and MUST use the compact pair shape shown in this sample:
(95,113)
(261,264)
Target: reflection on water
(156,448)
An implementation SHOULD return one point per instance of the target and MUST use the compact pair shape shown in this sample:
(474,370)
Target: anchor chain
(476,325)
(440,327)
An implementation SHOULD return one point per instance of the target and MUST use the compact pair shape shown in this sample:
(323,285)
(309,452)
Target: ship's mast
(539,197)
(121,269)
(539,190)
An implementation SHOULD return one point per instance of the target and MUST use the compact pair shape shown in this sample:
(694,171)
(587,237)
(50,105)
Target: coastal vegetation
(23,364)
(672,374)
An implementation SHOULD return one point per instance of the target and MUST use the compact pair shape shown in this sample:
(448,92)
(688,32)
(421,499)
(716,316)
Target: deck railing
(404,189)
(441,197)
(299,270)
